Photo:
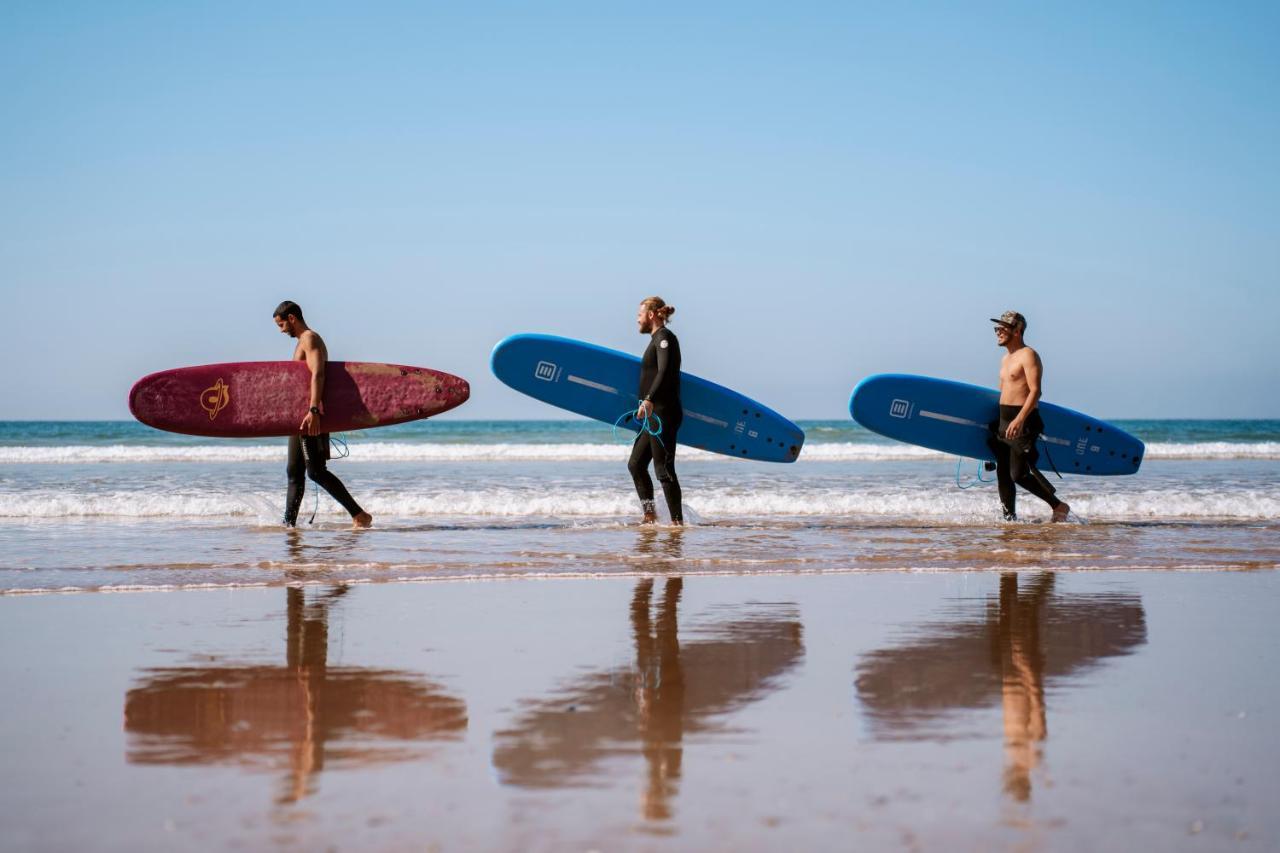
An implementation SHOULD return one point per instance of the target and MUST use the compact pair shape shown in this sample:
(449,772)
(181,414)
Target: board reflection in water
(305,715)
(681,683)
(998,650)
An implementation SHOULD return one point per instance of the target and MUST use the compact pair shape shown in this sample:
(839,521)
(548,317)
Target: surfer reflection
(1004,654)
(306,557)
(658,551)
(672,690)
(302,715)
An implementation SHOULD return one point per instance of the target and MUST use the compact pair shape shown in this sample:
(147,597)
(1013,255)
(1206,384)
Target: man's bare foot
(649,518)
(1061,512)
(362,520)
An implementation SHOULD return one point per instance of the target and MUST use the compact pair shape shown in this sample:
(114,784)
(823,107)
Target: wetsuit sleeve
(664,363)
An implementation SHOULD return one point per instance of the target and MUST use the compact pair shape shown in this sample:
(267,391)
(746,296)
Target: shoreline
(630,575)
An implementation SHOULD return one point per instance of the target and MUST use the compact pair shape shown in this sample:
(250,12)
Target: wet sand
(896,710)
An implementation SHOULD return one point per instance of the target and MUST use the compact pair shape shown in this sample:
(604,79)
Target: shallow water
(107,505)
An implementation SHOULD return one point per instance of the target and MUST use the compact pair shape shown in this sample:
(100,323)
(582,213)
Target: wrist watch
(315,410)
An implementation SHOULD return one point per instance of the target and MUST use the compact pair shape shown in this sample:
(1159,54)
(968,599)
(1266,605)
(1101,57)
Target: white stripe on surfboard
(951,419)
(608,389)
(707,419)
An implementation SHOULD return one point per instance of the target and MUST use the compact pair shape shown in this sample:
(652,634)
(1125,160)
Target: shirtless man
(1014,439)
(309,449)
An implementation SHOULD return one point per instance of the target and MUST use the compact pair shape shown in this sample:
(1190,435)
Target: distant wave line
(234,451)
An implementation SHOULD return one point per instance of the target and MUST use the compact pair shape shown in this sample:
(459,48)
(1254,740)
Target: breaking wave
(234,451)
(708,504)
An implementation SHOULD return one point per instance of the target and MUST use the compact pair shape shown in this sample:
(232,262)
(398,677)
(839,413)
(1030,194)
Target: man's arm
(314,350)
(1032,370)
(664,361)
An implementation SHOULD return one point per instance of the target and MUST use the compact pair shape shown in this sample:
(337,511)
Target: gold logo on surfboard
(215,399)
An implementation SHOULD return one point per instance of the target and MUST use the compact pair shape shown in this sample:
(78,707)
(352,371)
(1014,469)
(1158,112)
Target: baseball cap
(1012,319)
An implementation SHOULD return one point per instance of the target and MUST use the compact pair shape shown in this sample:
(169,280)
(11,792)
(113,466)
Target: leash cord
(1045,446)
(646,426)
(977,477)
(338,444)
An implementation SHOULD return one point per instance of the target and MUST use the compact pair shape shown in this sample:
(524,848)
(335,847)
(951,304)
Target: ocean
(115,505)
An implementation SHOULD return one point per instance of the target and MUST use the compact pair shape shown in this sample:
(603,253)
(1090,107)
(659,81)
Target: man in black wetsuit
(309,450)
(659,395)
(1014,436)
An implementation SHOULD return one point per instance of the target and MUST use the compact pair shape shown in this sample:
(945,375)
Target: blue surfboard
(954,417)
(601,383)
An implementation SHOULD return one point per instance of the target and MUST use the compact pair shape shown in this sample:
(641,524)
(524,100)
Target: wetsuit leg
(1024,472)
(664,464)
(297,473)
(317,452)
(638,465)
(1019,457)
(1004,481)
(312,449)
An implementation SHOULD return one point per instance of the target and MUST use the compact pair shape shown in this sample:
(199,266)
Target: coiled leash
(977,479)
(651,425)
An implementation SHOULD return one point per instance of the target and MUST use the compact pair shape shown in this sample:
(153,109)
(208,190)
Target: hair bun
(668,310)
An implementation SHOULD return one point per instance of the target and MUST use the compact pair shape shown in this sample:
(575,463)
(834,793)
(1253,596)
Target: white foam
(1214,450)
(76,454)
(380,451)
(711,504)
(232,451)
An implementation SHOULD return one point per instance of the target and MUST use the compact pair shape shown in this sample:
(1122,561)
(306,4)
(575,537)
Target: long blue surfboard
(601,383)
(955,417)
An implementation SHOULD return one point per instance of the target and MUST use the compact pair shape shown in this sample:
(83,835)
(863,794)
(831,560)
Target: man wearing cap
(1015,434)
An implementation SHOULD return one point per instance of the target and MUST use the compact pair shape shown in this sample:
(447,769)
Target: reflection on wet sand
(1025,638)
(673,689)
(300,715)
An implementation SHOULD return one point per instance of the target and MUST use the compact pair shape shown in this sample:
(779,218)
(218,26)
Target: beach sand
(938,710)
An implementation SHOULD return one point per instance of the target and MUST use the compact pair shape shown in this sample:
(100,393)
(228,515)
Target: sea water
(116,505)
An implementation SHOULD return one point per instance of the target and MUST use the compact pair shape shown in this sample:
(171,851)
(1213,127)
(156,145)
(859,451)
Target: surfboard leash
(315,507)
(1045,446)
(338,445)
(977,477)
(646,426)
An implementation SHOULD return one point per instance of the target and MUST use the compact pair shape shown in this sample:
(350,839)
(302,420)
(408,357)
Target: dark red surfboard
(255,399)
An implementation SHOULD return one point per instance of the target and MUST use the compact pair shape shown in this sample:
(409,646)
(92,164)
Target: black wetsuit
(660,385)
(1016,461)
(307,458)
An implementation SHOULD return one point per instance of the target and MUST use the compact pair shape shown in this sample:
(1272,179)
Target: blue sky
(823,191)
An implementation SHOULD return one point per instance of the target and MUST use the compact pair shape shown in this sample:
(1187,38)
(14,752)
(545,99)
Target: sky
(822,190)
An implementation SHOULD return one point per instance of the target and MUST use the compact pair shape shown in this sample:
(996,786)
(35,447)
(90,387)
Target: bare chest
(1012,372)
